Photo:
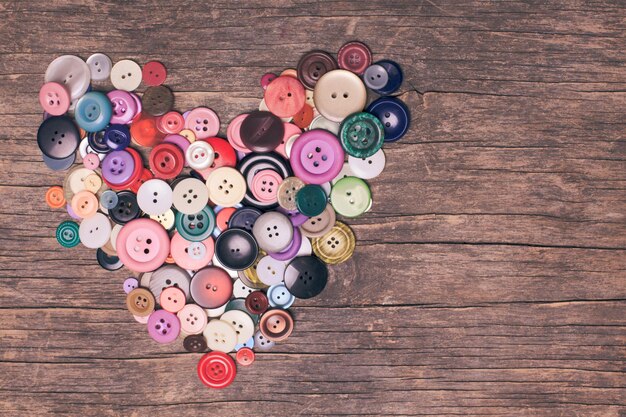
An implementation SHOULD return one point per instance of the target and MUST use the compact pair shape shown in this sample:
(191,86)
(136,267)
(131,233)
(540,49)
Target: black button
(236,249)
(244,218)
(126,209)
(262,131)
(195,343)
(158,100)
(58,137)
(256,162)
(108,262)
(306,276)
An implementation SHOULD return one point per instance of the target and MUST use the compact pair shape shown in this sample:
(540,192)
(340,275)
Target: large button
(292,250)
(319,225)
(227,186)
(67,234)
(240,289)
(350,197)
(261,131)
(241,322)
(95,231)
(271,271)
(276,325)
(193,319)
(362,135)
(393,114)
(306,276)
(126,75)
(211,287)
(367,167)
(195,343)
(244,218)
(123,105)
(256,302)
(142,245)
(196,227)
(236,249)
(199,155)
(273,231)
(70,71)
(384,77)
(163,326)
(316,156)
(221,336)
(154,197)
(284,96)
(93,111)
(126,208)
(166,160)
(203,122)
(54,98)
(154,73)
(99,66)
(190,196)
(58,137)
(157,100)
(140,302)
(311,200)
(287,192)
(169,276)
(313,65)
(279,296)
(216,370)
(355,57)
(191,255)
(172,299)
(262,343)
(338,94)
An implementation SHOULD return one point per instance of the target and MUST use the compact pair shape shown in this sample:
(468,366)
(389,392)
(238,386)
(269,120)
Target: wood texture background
(489,278)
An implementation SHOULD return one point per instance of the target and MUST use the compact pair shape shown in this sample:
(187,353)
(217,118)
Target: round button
(157,100)
(54,98)
(216,370)
(270,271)
(117,136)
(261,131)
(93,111)
(354,57)
(203,122)
(265,185)
(233,133)
(199,155)
(171,122)
(85,204)
(222,218)
(276,325)
(256,302)
(211,287)
(67,234)
(394,116)
(195,343)
(166,219)
(140,302)
(266,79)
(335,246)
(58,137)
(306,276)
(126,208)
(154,73)
(91,161)
(320,122)
(196,227)
(313,65)
(166,161)
(284,96)
(362,135)
(118,167)
(279,296)
(287,192)
(70,71)
(95,231)
(292,250)
(172,299)
(273,231)
(154,197)
(319,225)
(244,218)
(58,164)
(227,186)
(190,196)
(261,342)
(163,326)
(190,255)
(99,66)
(144,131)
(126,75)
(367,167)
(245,356)
(55,198)
(304,117)
(221,336)
(130,284)
(236,249)
(311,200)
(193,319)
(383,77)
(241,322)
(107,261)
(168,276)
(316,156)
(123,106)
(142,245)
(240,289)
(338,94)
(350,197)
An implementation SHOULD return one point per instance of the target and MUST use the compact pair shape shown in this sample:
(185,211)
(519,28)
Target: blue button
(97,142)
(108,199)
(279,296)
(249,344)
(393,114)
(117,137)
(383,77)
(93,111)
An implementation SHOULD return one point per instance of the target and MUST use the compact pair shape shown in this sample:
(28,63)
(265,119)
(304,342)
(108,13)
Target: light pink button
(290,130)
(182,252)
(91,161)
(54,98)
(265,185)
(142,245)
(193,319)
(172,299)
(233,133)
(203,122)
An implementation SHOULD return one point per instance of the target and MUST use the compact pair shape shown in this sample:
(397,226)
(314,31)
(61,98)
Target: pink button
(172,122)
(290,130)
(54,98)
(91,161)
(142,245)
(203,122)
(317,156)
(183,255)
(124,106)
(172,299)
(163,326)
(265,185)
(193,319)
(266,79)
(233,133)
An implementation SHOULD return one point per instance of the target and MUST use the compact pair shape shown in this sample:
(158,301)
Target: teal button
(67,234)
(311,200)
(196,227)
(362,135)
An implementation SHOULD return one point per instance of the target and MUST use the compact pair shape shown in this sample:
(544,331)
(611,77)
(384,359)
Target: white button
(72,72)
(193,319)
(227,187)
(320,122)
(241,290)
(166,219)
(242,323)
(76,179)
(190,196)
(273,231)
(199,155)
(126,75)
(305,247)
(346,171)
(99,66)
(338,94)
(154,197)
(196,250)
(271,271)
(217,311)
(261,343)
(95,231)
(367,168)
(220,336)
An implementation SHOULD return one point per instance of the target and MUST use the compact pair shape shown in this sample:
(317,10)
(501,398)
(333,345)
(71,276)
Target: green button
(350,196)
(67,234)
(362,135)
(196,227)
(311,200)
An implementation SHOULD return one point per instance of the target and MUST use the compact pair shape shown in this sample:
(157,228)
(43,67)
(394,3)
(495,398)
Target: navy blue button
(117,137)
(383,77)
(393,114)
(108,262)
(244,218)
(58,137)
(97,142)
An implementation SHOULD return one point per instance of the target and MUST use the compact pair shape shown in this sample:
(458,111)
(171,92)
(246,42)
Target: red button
(216,370)
(266,79)
(145,176)
(154,73)
(223,216)
(284,96)
(304,117)
(143,130)
(166,161)
(171,123)
(245,356)
(256,302)
(224,156)
(355,57)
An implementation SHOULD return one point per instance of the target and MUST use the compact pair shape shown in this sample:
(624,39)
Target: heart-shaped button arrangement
(223,234)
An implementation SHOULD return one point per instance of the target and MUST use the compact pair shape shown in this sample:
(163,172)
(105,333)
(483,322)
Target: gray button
(273,231)
(169,276)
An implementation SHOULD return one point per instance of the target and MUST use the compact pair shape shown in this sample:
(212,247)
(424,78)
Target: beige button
(319,225)
(220,336)
(126,75)
(227,187)
(193,319)
(289,144)
(93,183)
(114,232)
(140,302)
(166,219)
(287,191)
(190,196)
(242,323)
(336,246)
(74,181)
(338,94)
(188,134)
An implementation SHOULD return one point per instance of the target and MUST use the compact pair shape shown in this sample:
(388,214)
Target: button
(91,161)
(188,255)
(140,302)
(336,246)
(256,162)
(266,79)
(154,73)
(261,342)
(223,217)
(320,122)
(172,299)
(179,141)
(85,204)
(99,66)
(144,131)
(375,77)
(171,122)
(54,98)
(203,122)
(240,289)
(338,94)
(313,65)
(354,57)
(118,167)
(169,276)
(216,370)
(383,77)
(130,284)
(67,234)
(279,296)
(316,156)
(70,71)
(245,356)
(319,225)
(93,111)
(58,137)
(287,192)
(221,336)
(311,200)
(276,325)
(292,250)
(270,271)
(59,164)
(154,197)
(227,186)
(236,249)
(265,185)
(126,75)
(196,227)
(142,245)
(284,96)
(163,326)
(123,106)
(306,276)
(195,343)
(166,219)
(367,167)
(350,197)
(346,171)
(211,287)
(273,231)
(190,196)
(304,117)
(55,198)
(362,135)
(244,218)
(261,131)
(166,161)
(257,302)
(199,155)
(157,100)
(223,154)
(193,319)
(291,130)
(197,250)
(126,208)
(241,322)
(95,231)
(108,262)
(393,114)
(233,133)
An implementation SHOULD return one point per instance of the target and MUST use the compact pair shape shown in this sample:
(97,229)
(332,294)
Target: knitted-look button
(273,231)
(338,94)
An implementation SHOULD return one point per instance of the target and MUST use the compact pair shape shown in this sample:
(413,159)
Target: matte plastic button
(195,343)
(157,100)
(123,106)
(55,198)
(189,255)
(211,287)
(273,231)
(172,122)
(241,322)
(163,326)
(313,65)
(199,155)
(193,319)
(166,161)
(196,227)
(276,325)
(154,197)
(265,185)
(336,246)
(362,135)
(58,137)
(126,75)
(262,343)
(217,370)
(368,167)
(316,156)
(261,131)
(271,271)
(338,94)
(54,98)
(93,111)
(221,336)
(279,296)
(85,204)
(240,289)
(140,302)
(306,276)
(166,219)
(355,57)
(95,231)
(70,71)
(257,302)
(172,299)
(91,161)
(350,197)
(67,234)
(394,116)
(154,73)
(311,200)
(284,96)
(203,122)
(236,249)
(130,284)
(99,66)
(245,356)
(227,187)
(190,196)
(319,225)
(142,245)
(118,167)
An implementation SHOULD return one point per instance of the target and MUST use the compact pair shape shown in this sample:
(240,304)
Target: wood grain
(489,277)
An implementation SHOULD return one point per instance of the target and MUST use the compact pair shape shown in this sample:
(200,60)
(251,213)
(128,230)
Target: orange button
(172,299)
(55,198)
(85,204)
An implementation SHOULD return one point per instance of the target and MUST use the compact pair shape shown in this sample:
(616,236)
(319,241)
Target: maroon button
(154,73)
(211,287)
(261,131)
(313,65)
(355,57)
(256,302)
(276,325)
(245,356)
(166,161)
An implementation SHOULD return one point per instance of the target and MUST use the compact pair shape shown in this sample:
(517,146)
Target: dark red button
(266,79)
(154,73)
(166,161)
(313,65)
(256,302)
(354,57)
(245,356)
(211,287)
(261,131)
(304,117)
(216,370)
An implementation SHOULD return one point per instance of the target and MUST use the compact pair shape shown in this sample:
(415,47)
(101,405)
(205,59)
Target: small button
(54,98)
(93,111)
(306,276)
(236,249)
(211,287)
(257,302)
(190,256)
(95,231)
(368,167)
(195,343)
(126,75)
(168,276)
(163,326)
(265,185)
(199,155)
(241,322)
(273,231)
(91,161)
(130,284)
(362,135)
(153,73)
(279,296)
(262,343)
(99,66)
(193,319)
(196,227)
(284,96)
(58,137)
(67,234)
(313,65)
(311,200)
(261,131)
(70,71)
(276,325)
(319,225)
(157,100)
(55,198)
(354,57)
(271,271)
(140,302)
(126,208)
(85,204)
(287,192)
(245,356)
(154,197)
(123,106)
(383,77)
(118,167)
(316,156)
(172,299)
(216,370)
(203,122)
(166,161)
(172,122)
(227,187)
(142,245)
(394,116)
(338,94)
(221,336)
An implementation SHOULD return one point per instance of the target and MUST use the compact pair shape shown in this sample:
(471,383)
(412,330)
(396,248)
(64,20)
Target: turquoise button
(196,227)
(67,234)
(93,111)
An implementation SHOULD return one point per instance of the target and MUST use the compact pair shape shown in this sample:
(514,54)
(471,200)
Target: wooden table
(489,277)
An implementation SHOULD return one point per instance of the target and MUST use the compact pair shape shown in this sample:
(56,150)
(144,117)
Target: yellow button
(166,219)
(338,94)
(92,183)
(250,276)
(227,186)
(336,246)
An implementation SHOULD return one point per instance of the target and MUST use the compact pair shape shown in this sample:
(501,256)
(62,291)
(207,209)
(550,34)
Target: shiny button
(279,296)
(166,160)
(211,287)
(261,131)
(67,234)
(236,249)
(190,255)
(195,343)
(216,370)
(394,116)
(265,185)
(245,356)
(55,198)
(140,302)
(338,94)
(318,225)
(142,245)
(196,227)
(221,336)
(273,231)
(244,218)
(153,73)
(284,96)
(306,276)
(130,284)
(123,106)
(117,136)
(93,111)
(384,77)
(95,231)
(350,197)
(199,155)
(163,326)
(362,135)
(126,208)
(367,167)
(262,343)
(257,302)
(85,204)
(154,197)
(316,156)
(276,325)
(203,122)
(99,66)
(70,71)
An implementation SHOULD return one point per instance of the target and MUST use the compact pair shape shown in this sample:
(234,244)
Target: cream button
(338,94)
(220,336)
(241,322)
(190,196)
(126,75)
(227,187)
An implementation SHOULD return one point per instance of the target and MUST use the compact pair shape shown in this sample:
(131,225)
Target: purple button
(130,284)
(179,141)
(266,79)
(124,106)
(317,156)
(137,102)
(297,218)
(70,211)
(292,249)
(163,326)
(117,167)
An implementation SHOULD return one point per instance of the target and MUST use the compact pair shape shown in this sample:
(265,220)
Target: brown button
(313,65)
(276,325)
(195,343)
(261,131)
(140,302)
(287,191)
(319,225)
(256,302)
(157,100)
